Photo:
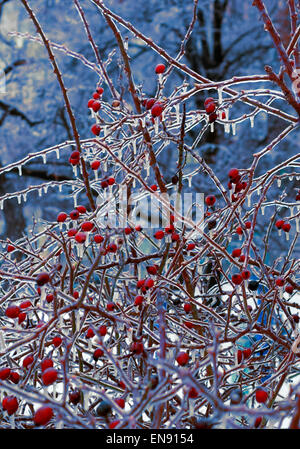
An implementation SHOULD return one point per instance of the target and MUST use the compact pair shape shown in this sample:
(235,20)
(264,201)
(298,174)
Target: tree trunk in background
(12,212)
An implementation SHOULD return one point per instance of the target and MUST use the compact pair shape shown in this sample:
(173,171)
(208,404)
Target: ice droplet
(212,127)
(19,199)
(134,146)
(75,170)
(279,182)
(227,128)
(233,128)
(1,204)
(252,121)
(20,170)
(59,187)
(57,153)
(44,157)
(24,197)
(262,210)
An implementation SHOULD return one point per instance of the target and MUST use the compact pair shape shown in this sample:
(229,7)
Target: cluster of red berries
(95,104)
(281,224)
(235,179)
(210,107)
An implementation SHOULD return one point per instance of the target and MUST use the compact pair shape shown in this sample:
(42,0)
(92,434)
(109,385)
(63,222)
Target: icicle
(291,178)
(233,128)
(279,182)
(191,407)
(262,210)
(220,95)
(134,146)
(168,238)
(57,153)
(156,125)
(160,78)
(77,318)
(46,189)
(105,131)
(252,121)
(249,199)
(2,342)
(43,294)
(190,181)
(59,187)
(20,170)
(258,191)
(129,334)
(297,225)
(87,241)
(212,127)
(227,128)
(75,170)
(105,165)
(12,422)
(287,236)
(1,204)
(44,157)
(19,199)
(229,238)
(80,249)
(24,197)
(90,344)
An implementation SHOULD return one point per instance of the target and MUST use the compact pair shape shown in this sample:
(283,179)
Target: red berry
(248,224)
(237,279)
(209,100)
(74,215)
(127,231)
(49,298)
(75,294)
(80,237)
(246,274)
(239,356)
(22,317)
(191,246)
(100,90)
(110,306)
(247,353)
(187,307)
(236,252)
(154,187)
(170,229)
(258,422)
(149,283)
(159,235)
(151,102)
(96,106)
(57,341)
(14,377)
(111,181)
(239,230)
(112,248)
(43,415)
(12,311)
(193,393)
(279,282)
(233,174)
(182,358)
(28,361)
(160,68)
(104,184)
(75,397)
(152,269)
(98,238)
(42,279)
(4,373)
(95,165)
(138,300)
(295,318)
(10,404)
(188,324)
(87,226)
(96,129)
(75,155)
(49,376)
(140,283)
(122,385)
(175,237)
(90,102)
(10,248)
(90,333)
(261,396)
(96,95)
(72,232)
(46,363)
(62,217)
(279,224)
(120,402)
(156,110)
(212,117)
(210,200)
(137,347)
(113,424)
(289,289)
(286,227)
(102,330)
(97,354)
(210,107)
(81,209)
